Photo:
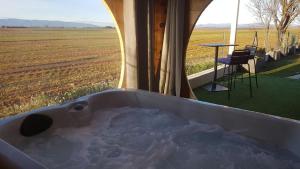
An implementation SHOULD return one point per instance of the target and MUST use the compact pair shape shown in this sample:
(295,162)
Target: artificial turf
(276,94)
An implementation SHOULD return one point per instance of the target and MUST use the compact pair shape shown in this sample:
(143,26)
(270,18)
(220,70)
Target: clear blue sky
(219,11)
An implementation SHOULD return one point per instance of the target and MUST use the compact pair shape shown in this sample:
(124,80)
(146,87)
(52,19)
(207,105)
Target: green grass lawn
(276,95)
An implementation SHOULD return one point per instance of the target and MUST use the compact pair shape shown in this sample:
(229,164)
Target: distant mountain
(227,25)
(212,25)
(248,26)
(251,25)
(100,24)
(46,23)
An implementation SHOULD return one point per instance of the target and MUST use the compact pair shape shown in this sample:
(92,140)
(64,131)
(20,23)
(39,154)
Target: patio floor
(277,94)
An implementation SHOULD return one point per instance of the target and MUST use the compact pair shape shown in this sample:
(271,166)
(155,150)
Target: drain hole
(79,107)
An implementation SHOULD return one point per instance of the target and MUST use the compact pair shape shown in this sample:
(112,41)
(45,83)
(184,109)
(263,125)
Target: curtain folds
(141,39)
(136,44)
(172,53)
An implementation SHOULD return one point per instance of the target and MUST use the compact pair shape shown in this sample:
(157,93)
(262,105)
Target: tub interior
(131,137)
(142,132)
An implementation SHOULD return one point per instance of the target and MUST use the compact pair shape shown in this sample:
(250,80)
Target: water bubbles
(152,139)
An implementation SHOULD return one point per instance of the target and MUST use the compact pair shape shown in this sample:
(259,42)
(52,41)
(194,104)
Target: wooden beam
(115,7)
(194,9)
(160,15)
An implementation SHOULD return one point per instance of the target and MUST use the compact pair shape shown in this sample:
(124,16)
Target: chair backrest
(252,50)
(240,57)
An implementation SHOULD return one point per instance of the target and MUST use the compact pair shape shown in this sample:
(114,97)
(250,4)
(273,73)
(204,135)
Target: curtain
(172,52)
(136,44)
(141,37)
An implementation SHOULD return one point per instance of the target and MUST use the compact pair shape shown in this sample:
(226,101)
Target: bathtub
(76,115)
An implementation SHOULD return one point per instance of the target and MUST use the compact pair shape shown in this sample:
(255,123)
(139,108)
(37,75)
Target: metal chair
(252,49)
(238,58)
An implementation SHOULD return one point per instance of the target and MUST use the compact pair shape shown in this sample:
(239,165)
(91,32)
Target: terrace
(277,94)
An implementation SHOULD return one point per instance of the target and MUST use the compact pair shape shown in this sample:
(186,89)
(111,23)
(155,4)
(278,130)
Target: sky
(219,11)
(222,11)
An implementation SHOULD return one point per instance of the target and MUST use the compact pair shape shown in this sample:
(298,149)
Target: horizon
(93,11)
(112,24)
(29,19)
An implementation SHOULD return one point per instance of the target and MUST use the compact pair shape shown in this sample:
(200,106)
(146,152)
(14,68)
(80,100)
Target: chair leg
(236,69)
(228,83)
(224,70)
(242,77)
(255,73)
(250,85)
(231,77)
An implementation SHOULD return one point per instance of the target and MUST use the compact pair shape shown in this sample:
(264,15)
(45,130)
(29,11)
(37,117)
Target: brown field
(40,67)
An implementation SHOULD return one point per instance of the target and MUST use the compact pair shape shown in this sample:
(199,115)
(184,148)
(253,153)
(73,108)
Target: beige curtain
(140,42)
(172,53)
(136,44)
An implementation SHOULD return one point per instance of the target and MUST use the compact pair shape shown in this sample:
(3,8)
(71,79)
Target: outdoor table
(214,87)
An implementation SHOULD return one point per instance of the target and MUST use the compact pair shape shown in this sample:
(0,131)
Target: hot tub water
(137,138)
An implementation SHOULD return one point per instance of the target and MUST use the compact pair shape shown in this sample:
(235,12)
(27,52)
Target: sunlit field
(41,67)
